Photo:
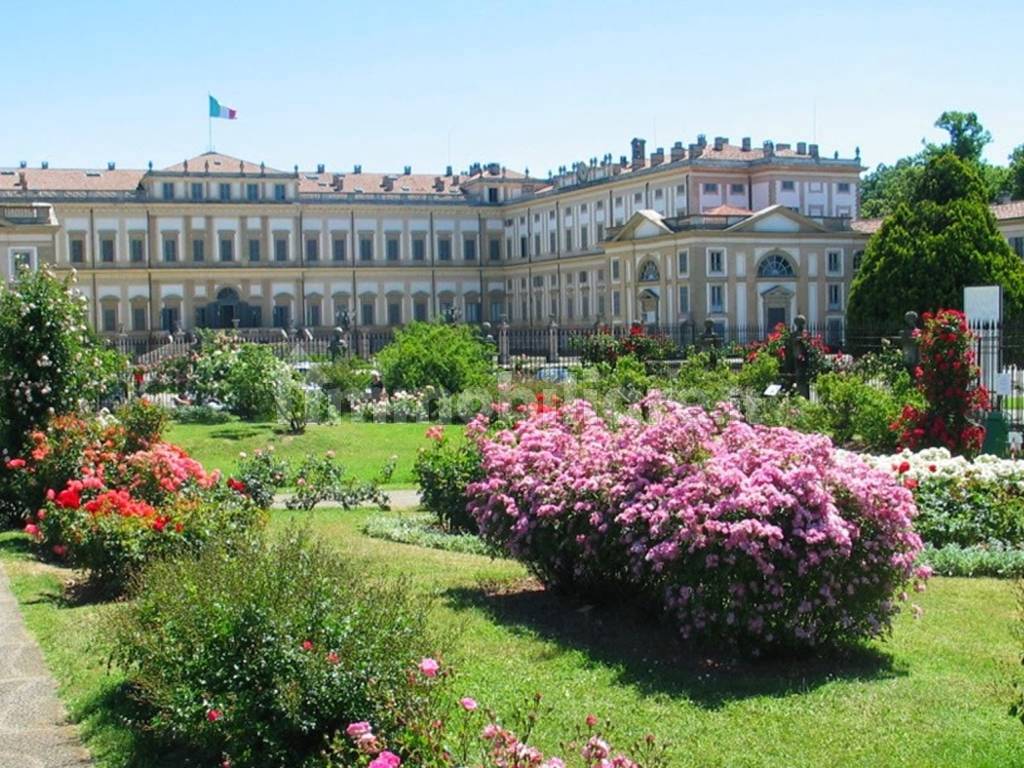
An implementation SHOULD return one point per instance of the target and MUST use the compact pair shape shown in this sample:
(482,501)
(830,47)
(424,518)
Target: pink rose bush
(747,535)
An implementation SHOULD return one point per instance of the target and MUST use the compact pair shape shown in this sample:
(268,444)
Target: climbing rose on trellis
(948,378)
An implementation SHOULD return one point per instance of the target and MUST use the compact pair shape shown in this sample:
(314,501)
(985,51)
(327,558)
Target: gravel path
(34,728)
(401,498)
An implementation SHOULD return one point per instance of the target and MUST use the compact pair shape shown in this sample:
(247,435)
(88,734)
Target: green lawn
(362,447)
(934,694)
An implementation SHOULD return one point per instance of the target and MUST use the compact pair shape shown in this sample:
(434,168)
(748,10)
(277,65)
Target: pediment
(777,218)
(642,225)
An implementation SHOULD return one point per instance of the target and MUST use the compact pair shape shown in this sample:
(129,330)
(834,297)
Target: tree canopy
(886,186)
(940,237)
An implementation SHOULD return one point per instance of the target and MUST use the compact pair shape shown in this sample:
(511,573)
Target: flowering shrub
(743,534)
(259,476)
(775,343)
(962,502)
(604,347)
(947,378)
(143,423)
(321,478)
(254,656)
(399,407)
(443,471)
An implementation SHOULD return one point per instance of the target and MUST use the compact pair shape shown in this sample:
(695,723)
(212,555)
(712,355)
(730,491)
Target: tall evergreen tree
(941,238)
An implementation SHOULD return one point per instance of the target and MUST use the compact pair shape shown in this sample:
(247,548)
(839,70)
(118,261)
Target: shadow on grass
(16,545)
(115,718)
(648,656)
(236,432)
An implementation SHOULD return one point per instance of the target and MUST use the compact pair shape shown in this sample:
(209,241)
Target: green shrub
(994,560)
(758,374)
(344,378)
(298,406)
(970,511)
(860,413)
(422,530)
(200,414)
(321,478)
(143,423)
(623,383)
(260,475)
(252,382)
(449,357)
(257,656)
(443,471)
(703,380)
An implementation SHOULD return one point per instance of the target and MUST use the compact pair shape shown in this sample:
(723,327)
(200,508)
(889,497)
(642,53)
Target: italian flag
(219,110)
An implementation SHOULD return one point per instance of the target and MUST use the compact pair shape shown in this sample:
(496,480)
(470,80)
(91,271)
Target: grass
(935,694)
(361,446)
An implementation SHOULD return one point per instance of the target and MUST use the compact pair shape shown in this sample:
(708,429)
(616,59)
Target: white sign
(983,303)
(773,390)
(1003,383)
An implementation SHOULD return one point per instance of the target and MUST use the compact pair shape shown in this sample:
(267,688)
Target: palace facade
(740,234)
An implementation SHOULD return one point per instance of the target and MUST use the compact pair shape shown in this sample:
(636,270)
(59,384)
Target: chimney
(439,184)
(408,170)
(801,147)
(296,170)
(263,168)
(111,165)
(812,149)
(357,169)
(622,161)
(388,183)
(658,156)
(694,151)
(320,168)
(769,148)
(447,170)
(719,143)
(23,164)
(337,180)
(637,145)
(23,179)
(745,145)
(45,164)
(702,140)
(185,165)
(677,152)
(455,180)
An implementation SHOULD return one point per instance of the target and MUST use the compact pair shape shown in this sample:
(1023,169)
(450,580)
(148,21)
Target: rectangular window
(835,262)
(169,318)
(168,190)
(684,299)
(584,237)
(616,303)
(77,251)
(568,239)
(107,250)
(683,263)
(497,309)
(494,249)
(600,233)
(469,248)
(583,277)
(252,192)
(254,249)
(716,263)
(197,191)
(834,332)
(279,192)
(508,247)
(1017,243)
(109,319)
(538,281)
(312,249)
(444,249)
(638,198)
(585,306)
(338,249)
(843,188)
(570,308)
(280,249)
(366,248)
(227,249)
(536,243)
(835,296)
(200,317)
(170,250)
(281,315)
(710,189)
(419,312)
(552,243)
(136,250)
(394,313)
(198,250)
(419,248)
(391,248)
(314,314)
(788,186)
(366,313)
(737,189)
(524,247)
(492,194)
(138,318)
(716,298)
(225,191)
(615,269)
(600,305)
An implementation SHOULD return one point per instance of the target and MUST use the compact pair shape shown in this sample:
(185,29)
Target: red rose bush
(742,534)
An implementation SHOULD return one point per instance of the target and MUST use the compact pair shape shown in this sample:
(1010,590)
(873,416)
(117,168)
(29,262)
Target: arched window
(649,272)
(775,265)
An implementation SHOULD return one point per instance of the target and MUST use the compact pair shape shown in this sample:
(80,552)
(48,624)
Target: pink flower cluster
(743,534)
(163,470)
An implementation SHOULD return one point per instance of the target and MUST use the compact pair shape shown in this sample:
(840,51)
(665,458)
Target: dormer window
(788,186)
(280,192)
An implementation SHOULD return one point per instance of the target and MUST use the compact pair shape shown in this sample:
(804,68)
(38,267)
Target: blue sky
(527,84)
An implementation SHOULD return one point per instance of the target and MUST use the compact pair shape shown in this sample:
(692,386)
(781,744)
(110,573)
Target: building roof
(375,183)
(727,210)
(84,179)
(215,162)
(1011,210)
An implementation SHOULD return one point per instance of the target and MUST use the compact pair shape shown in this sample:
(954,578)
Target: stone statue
(796,364)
